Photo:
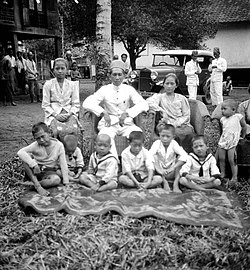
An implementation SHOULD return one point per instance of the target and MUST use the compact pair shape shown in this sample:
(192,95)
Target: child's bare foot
(177,190)
(43,192)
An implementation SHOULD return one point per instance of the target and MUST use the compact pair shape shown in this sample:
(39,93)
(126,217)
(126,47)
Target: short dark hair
(171,75)
(37,127)
(165,126)
(199,137)
(124,54)
(136,135)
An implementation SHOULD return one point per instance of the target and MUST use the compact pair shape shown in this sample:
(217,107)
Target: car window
(168,59)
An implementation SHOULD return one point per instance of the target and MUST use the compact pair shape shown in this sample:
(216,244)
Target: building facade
(22,20)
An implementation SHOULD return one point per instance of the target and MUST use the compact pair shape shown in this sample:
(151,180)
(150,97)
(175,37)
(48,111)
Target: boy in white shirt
(137,164)
(200,171)
(168,155)
(43,159)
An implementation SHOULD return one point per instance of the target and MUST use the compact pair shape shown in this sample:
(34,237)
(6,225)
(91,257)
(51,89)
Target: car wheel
(207,97)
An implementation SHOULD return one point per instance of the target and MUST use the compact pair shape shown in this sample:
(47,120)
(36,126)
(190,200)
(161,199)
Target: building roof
(229,10)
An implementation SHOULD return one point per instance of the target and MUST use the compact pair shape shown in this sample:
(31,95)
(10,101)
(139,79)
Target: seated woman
(61,101)
(174,109)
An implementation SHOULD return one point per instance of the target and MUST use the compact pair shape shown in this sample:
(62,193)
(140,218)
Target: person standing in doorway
(192,69)
(219,65)
(32,76)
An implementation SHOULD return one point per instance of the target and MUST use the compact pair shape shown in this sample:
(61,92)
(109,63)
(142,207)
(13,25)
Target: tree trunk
(103,39)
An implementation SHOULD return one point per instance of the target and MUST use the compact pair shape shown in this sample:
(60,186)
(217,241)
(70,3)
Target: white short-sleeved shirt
(167,158)
(140,163)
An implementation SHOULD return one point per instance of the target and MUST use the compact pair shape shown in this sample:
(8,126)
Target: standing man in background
(32,76)
(219,65)
(192,69)
(12,72)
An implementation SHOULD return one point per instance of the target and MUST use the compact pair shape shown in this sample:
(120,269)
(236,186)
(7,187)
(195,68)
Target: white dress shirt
(217,73)
(190,71)
(115,101)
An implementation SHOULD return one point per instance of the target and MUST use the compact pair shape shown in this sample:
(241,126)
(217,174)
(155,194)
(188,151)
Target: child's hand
(95,187)
(36,169)
(71,174)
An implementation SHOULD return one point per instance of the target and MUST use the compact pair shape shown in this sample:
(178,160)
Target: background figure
(219,65)
(227,86)
(115,57)
(75,73)
(69,62)
(21,72)
(32,76)
(11,71)
(5,88)
(192,69)
(124,58)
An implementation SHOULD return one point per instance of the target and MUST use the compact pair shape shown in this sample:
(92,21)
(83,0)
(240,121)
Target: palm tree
(103,41)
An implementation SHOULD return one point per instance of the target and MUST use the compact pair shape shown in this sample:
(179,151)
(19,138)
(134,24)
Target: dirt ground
(16,122)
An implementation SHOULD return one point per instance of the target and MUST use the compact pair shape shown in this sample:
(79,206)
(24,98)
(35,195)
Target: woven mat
(211,207)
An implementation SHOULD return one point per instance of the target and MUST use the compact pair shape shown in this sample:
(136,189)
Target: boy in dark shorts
(43,158)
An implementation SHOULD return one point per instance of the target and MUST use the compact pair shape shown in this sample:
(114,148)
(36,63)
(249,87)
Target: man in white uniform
(116,111)
(192,69)
(219,65)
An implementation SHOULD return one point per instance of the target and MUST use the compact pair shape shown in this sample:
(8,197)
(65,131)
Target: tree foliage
(79,19)
(167,23)
(135,23)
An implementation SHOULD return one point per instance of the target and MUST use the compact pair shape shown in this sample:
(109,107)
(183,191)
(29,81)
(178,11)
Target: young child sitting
(43,158)
(103,166)
(75,73)
(137,164)
(168,155)
(73,156)
(200,171)
(233,125)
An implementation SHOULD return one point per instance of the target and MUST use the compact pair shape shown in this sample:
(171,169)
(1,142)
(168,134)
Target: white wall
(234,44)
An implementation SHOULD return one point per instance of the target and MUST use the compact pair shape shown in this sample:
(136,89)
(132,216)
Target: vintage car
(149,79)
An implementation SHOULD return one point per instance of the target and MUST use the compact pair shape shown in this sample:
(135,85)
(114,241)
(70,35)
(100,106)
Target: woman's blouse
(176,112)
(56,99)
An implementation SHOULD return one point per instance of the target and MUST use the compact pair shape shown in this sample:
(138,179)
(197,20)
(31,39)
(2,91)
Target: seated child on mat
(200,171)
(168,155)
(73,156)
(103,166)
(137,164)
(43,158)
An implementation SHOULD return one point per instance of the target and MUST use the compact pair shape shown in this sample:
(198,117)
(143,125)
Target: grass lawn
(61,241)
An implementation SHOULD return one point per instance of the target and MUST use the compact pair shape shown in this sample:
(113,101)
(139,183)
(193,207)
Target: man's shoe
(13,103)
